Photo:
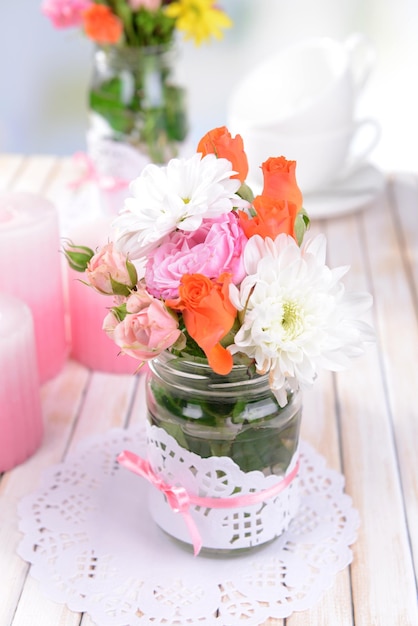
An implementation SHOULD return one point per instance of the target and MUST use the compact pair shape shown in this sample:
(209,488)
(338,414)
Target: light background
(44,73)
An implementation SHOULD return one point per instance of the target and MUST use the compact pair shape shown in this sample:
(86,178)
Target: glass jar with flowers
(137,106)
(236,311)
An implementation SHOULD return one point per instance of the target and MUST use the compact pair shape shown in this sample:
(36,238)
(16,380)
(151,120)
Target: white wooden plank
(10,166)
(320,429)
(138,412)
(404,196)
(369,453)
(33,177)
(35,609)
(404,202)
(63,195)
(396,312)
(106,404)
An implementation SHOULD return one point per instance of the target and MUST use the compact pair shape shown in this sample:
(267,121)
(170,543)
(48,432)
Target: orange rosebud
(101,25)
(220,142)
(208,315)
(280,180)
(273,217)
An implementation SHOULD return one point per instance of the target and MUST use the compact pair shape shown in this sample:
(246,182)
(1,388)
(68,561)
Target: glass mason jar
(222,437)
(134,99)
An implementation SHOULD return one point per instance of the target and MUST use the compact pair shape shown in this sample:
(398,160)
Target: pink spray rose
(216,247)
(110,272)
(65,13)
(147,329)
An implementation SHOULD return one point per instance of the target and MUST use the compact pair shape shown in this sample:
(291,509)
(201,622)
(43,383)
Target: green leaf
(175,112)
(107,100)
(119,289)
(302,223)
(78,257)
(119,312)
(245,192)
(176,431)
(133,276)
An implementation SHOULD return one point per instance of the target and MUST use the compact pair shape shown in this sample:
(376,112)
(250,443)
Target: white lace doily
(93,546)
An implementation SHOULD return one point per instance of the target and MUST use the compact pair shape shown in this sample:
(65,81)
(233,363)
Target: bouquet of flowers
(198,267)
(139,22)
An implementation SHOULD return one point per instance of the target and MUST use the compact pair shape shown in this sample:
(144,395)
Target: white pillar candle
(30,269)
(89,343)
(21,423)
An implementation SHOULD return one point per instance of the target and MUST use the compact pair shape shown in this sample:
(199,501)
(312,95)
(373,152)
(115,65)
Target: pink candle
(30,269)
(89,343)
(21,424)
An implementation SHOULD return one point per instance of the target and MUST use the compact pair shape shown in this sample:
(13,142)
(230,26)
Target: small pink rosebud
(147,329)
(110,272)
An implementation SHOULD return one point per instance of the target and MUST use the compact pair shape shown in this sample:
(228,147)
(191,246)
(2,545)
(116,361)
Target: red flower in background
(101,25)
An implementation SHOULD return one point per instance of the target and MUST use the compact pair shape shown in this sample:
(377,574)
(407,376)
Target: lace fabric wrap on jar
(224,438)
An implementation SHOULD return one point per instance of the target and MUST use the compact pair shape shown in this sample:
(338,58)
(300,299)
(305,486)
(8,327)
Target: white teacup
(322,158)
(310,86)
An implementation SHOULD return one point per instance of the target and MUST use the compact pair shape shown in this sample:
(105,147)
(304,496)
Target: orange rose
(220,142)
(273,217)
(280,180)
(208,315)
(101,25)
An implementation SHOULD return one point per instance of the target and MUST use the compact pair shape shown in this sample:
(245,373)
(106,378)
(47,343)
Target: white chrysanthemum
(178,195)
(297,316)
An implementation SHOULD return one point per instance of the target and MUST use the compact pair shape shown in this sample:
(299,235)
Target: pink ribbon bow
(180,501)
(177,497)
(90,174)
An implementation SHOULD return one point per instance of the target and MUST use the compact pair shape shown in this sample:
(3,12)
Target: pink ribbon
(180,501)
(90,174)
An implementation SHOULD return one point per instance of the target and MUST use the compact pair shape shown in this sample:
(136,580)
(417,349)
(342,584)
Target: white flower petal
(316,246)
(178,195)
(298,317)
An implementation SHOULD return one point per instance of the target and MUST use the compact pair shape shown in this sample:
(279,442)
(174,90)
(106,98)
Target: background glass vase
(215,419)
(134,98)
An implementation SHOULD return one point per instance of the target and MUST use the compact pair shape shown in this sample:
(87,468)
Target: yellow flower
(198,19)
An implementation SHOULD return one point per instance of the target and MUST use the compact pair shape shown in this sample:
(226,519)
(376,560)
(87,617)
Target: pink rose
(147,329)
(65,13)
(215,248)
(150,5)
(110,272)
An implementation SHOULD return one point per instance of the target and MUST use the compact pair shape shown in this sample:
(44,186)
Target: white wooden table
(364,421)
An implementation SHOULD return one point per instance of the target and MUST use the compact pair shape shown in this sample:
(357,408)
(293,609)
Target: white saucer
(346,196)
